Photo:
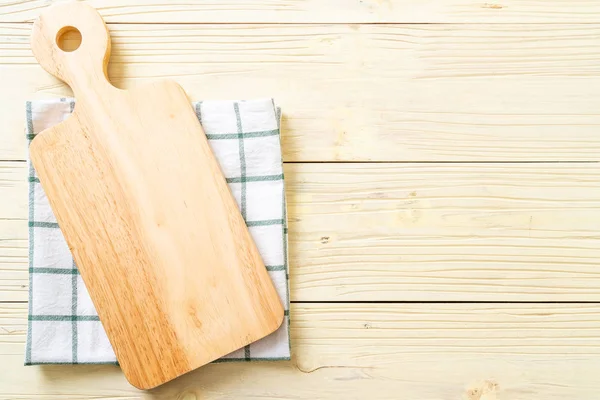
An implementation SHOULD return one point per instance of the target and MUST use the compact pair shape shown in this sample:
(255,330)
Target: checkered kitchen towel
(63,324)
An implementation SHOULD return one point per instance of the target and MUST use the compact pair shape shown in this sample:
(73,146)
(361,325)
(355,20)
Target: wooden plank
(330,11)
(13,231)
(430,351)
(411,232)
(363,92)
(448,232)
(14,280)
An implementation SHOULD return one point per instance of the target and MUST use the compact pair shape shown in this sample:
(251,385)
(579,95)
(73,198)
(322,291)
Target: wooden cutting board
(156,234)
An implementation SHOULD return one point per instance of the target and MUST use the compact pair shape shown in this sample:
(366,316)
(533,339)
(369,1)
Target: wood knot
(493,6)
(483,390)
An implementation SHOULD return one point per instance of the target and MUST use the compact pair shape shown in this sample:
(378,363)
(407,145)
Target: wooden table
(444,195)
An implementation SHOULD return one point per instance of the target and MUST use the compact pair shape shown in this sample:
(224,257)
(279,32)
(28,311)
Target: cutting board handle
(84,68)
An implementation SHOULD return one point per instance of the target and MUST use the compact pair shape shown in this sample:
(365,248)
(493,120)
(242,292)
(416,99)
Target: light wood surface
(154,230)
(428,92)
(330,11)
(503,96)
(366,351)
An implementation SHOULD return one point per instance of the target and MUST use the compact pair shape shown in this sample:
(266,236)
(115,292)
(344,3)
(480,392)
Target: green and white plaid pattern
(63,324)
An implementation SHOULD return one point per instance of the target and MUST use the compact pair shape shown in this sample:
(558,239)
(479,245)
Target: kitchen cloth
(63,326)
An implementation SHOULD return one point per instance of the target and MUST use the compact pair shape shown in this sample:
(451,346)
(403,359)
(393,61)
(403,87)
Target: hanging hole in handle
(68,39)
